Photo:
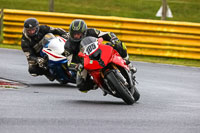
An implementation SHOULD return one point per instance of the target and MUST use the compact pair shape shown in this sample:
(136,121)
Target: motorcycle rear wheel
(121,90)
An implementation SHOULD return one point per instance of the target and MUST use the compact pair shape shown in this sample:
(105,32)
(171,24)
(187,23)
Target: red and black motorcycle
(108,69)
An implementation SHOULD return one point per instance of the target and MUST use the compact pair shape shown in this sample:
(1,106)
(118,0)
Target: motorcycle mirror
(80,54)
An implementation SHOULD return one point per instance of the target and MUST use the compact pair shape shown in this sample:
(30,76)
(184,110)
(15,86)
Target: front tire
(136,94)
(120,89)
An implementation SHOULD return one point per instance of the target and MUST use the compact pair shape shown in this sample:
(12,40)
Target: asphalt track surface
(170,102)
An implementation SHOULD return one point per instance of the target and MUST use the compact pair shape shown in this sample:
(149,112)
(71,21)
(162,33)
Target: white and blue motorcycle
(57,63)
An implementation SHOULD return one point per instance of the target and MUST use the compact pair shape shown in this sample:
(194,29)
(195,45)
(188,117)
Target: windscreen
(89,45)
(47,37)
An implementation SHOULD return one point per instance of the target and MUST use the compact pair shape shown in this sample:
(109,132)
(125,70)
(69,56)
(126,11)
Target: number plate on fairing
(91,48)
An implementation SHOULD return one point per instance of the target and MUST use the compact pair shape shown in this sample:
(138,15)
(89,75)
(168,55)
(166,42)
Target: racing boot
(84,82)
(88,85)
(49,76)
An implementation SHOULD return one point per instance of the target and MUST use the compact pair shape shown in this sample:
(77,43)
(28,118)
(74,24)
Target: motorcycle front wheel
(120,89)
(136,94)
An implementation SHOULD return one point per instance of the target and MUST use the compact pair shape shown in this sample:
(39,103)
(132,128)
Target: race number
(91,48)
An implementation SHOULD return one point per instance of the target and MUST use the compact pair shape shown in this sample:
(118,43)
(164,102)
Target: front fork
(129,82)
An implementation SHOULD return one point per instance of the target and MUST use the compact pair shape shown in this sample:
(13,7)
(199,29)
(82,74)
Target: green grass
(10,46)
(165,60)
(183,10)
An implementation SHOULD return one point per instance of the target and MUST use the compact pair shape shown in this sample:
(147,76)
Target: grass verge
(182,10)
(10,46)
(166,60)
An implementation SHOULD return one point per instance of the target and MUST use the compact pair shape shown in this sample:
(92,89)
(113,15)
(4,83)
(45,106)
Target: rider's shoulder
(25,38)
(44,27)
(92,31)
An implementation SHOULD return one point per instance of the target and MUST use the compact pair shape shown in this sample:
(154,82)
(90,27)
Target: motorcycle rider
(31,45)
(78,30)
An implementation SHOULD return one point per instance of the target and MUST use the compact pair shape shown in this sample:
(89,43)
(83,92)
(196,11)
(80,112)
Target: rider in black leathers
(78,30)
(31,46)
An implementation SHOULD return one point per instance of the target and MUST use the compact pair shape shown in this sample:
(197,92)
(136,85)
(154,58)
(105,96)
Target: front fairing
(105,56)
(53,47)
(118,60)
(97,55)
(108,55)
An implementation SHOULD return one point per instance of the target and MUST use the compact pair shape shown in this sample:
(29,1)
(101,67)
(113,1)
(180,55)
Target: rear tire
(120,89)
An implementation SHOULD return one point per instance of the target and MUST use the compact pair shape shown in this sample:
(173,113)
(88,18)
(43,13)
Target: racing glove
(115,41)
(65,36)
(41,62)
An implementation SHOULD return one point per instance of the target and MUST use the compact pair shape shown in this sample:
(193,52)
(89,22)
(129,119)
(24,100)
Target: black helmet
(78,26)
(31,27)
